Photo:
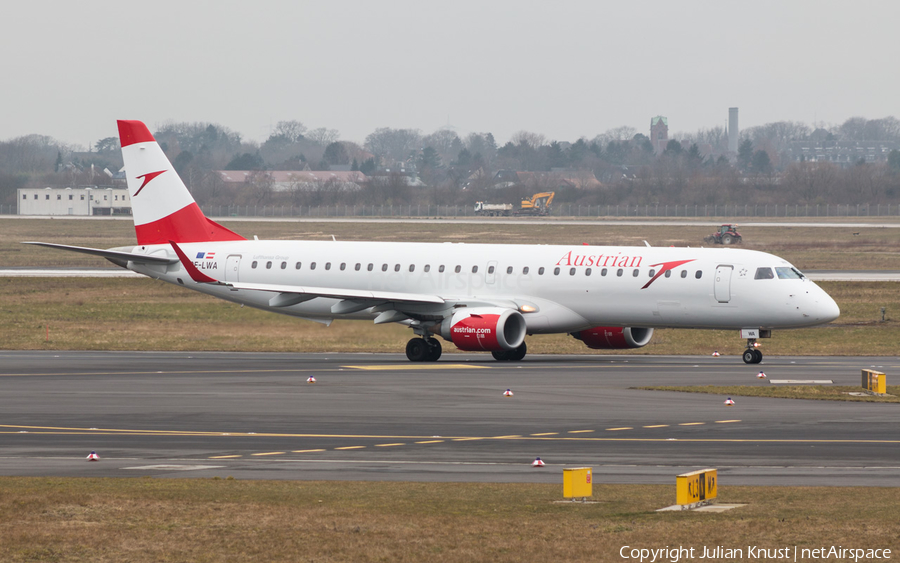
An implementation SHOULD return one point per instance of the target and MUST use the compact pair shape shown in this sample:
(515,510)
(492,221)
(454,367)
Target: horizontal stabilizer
(115,256)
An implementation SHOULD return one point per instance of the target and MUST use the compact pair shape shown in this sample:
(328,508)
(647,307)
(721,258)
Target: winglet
(192,270)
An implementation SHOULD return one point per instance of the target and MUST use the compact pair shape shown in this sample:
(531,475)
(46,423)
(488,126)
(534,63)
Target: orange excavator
(539,204)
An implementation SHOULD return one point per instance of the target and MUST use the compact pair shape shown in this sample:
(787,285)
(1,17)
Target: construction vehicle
(726,234)
(493,209)
(539,204)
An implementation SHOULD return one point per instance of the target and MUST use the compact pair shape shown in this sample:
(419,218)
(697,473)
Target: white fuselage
(570,288)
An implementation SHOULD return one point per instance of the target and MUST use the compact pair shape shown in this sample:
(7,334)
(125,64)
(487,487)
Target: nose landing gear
(751,354)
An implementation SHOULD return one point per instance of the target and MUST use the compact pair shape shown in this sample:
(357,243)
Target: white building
(73,201)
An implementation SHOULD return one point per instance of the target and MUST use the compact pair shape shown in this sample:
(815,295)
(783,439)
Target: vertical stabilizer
(163,208)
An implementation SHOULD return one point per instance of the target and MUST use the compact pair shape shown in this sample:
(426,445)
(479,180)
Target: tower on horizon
(659,133)
(733,130)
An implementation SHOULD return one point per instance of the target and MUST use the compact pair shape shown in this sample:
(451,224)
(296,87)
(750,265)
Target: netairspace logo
(752,553)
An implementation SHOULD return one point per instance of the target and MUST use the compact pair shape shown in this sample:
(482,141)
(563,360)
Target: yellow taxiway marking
(305,451)
(691,423)
(350,448)
(469,439)
(726,421)
(389,445)
(417,367)
(545,434)
(508,437)
(578,431)
(430,442)
(225,456)
(657,426)
(168,372)
(623,428)
(270,453)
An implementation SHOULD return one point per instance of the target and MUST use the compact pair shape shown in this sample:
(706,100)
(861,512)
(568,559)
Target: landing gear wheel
(749,356)
(757,356)
(417,350)
(501,355)
(519,353)
(434,350)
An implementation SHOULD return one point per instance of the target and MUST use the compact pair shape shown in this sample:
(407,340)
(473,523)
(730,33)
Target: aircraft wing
(117,257)
(338,293)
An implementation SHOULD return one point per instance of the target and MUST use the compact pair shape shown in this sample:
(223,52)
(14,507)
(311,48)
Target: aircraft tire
(749,356)
(434,350)
(519,353)
(757,356)
(501,355)
(417,350)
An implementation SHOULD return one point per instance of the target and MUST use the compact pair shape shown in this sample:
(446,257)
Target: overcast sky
(564,69)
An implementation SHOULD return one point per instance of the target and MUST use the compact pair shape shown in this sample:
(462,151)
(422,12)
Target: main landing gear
(510,355)
(422,350)
(751,354)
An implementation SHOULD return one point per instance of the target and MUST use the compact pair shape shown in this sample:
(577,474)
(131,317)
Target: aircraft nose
(826,308)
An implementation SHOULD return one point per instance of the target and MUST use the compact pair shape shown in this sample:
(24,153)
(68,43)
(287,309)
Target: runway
(379,417)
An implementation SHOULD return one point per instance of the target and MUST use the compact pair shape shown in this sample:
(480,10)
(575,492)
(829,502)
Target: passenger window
(619,272)
(474,269)
(283,265)
(312,265)
(587,272)
(698,274)
(427,268)
(343,266)
(556,271)
(509,270)
(412,268)
(603,272)
(253,265)
(297,266)
(668,273)
(396,267)
(652,272)
(358,266)
(441,269)
(327,265)
(458,269)
(684,273)
(370,267)
(571,271)
(490,269)
(764,274)
(269,265)
(384,267)
(525,270)
(635,273)
(541,271)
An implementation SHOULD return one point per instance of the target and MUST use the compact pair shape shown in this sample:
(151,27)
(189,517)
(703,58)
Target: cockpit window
(788,274)
(764,274)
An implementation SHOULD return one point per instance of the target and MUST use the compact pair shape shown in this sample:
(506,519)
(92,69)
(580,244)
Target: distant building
(73,201)
(659,133)
(538,181)
(842,153)
(733,130)
(286,180)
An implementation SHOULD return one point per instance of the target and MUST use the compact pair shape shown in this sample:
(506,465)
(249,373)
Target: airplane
(479,297)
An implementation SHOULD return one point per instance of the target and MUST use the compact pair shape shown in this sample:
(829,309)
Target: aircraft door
(490,274)
(722,287)
(232,267)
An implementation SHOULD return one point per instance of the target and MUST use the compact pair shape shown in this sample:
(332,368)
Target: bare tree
(393,144)
(323,136)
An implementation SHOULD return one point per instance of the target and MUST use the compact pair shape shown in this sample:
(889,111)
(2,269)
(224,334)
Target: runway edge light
(507,393)
(715,354)
(577,483)
(537,462)
(93,456)
(761,375)
(729,402)
(311,379)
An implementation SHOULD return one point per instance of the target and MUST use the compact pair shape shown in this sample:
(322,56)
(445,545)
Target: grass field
(211,520)
(839,248)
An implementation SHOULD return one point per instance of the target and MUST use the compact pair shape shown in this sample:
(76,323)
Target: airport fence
(562,210)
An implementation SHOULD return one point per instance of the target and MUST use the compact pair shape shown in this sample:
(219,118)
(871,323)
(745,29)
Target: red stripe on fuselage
(188,224)
(131,132)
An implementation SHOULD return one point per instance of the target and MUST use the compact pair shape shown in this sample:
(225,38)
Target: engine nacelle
(614,337)
(484,329)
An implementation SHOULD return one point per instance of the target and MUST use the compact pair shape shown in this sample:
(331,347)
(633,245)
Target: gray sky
(564,69)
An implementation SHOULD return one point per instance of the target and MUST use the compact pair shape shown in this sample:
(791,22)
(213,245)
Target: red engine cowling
(485,329)
(614,337)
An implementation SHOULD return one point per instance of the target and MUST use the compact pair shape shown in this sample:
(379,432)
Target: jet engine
(484,329)
(614,337)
